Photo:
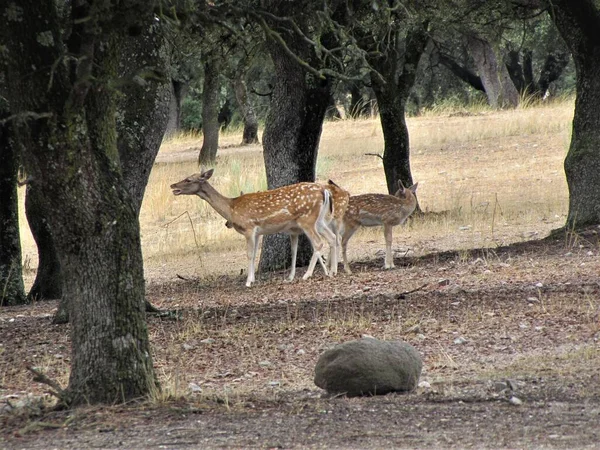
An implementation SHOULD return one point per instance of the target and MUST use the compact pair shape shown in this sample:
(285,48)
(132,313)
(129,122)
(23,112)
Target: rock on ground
(369,367)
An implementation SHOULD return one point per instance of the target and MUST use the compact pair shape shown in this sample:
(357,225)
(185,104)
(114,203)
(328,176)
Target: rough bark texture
(462,73)
(70,150)
(392,94)
(48,279)
(210,113)
(291,141)
(143,109)
(496,81)
(250,134)
(578,23)
(11,279)
(178,92)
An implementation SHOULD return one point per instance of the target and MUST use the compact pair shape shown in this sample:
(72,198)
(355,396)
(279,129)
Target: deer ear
(414,187)
(206,175)
(400,185)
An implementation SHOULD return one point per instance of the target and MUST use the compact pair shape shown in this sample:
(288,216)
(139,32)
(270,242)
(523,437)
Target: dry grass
(493,174)
(478,314)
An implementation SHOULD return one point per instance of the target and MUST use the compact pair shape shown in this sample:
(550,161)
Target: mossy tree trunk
(578,23)
(69,143)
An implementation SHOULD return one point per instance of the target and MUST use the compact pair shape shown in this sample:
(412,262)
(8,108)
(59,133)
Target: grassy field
(495,310)
(496,177)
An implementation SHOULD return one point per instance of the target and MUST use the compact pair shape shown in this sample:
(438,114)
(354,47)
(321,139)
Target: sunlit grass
(497,175)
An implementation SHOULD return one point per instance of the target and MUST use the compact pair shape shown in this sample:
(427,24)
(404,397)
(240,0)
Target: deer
(300,206)
(369,210)
(334,220)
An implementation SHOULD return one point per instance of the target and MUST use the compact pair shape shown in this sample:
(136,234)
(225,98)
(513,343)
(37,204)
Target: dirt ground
(510,339)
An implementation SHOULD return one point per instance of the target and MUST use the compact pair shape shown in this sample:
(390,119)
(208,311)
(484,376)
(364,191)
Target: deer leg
(331,238)
(348,233)
(317,245)
(294,244)
(251,249)
(389,258)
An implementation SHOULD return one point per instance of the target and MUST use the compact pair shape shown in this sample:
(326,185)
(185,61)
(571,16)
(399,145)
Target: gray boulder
(369,367)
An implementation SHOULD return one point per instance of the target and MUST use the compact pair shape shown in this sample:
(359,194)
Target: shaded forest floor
(510,339)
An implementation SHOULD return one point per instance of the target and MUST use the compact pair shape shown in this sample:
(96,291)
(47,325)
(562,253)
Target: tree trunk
(90,212)
(291,142)
(461,72)
(11,278)
(48,279)
(392,94)
(210,113)
(250,135)
(178,92)
(578,22)
(499,88)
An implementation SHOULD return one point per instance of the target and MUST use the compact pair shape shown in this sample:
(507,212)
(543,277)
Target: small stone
(194,388)
(533,300)
(300,352)
(539,285)
(207,341)
(265,363)
(460,340)
(515,401)
(425,385)
(274,383)
(187,346)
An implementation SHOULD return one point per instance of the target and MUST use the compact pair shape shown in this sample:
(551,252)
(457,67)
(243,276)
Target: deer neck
(219,202)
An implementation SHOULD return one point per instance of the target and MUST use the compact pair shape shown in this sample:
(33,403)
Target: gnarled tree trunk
(496,81)
(578,23)
(91,214)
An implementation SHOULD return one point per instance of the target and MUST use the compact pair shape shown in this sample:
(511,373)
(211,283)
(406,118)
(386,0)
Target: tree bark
(91,214)
(210,113)
(12,291)
(48,279)
(250,134)
(291,141)
(499,88)
(392,93)
(178,92)
(578,22)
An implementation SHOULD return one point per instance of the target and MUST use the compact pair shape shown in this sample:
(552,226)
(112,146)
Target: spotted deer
(369,210)
(302,206)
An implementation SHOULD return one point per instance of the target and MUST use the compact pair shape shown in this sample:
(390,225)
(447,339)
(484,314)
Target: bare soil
(510,339)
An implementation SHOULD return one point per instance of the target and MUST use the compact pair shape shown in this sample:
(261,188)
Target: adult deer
(302,206)
(369,210)
(334,220)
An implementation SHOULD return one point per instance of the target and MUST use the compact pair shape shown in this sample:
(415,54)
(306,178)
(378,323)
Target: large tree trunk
(11,278)
(291,142)
(210,113)
(48,279)
(392,94)
(578,23)
(250,134)
(144,110)
(499,88)
(71,153)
